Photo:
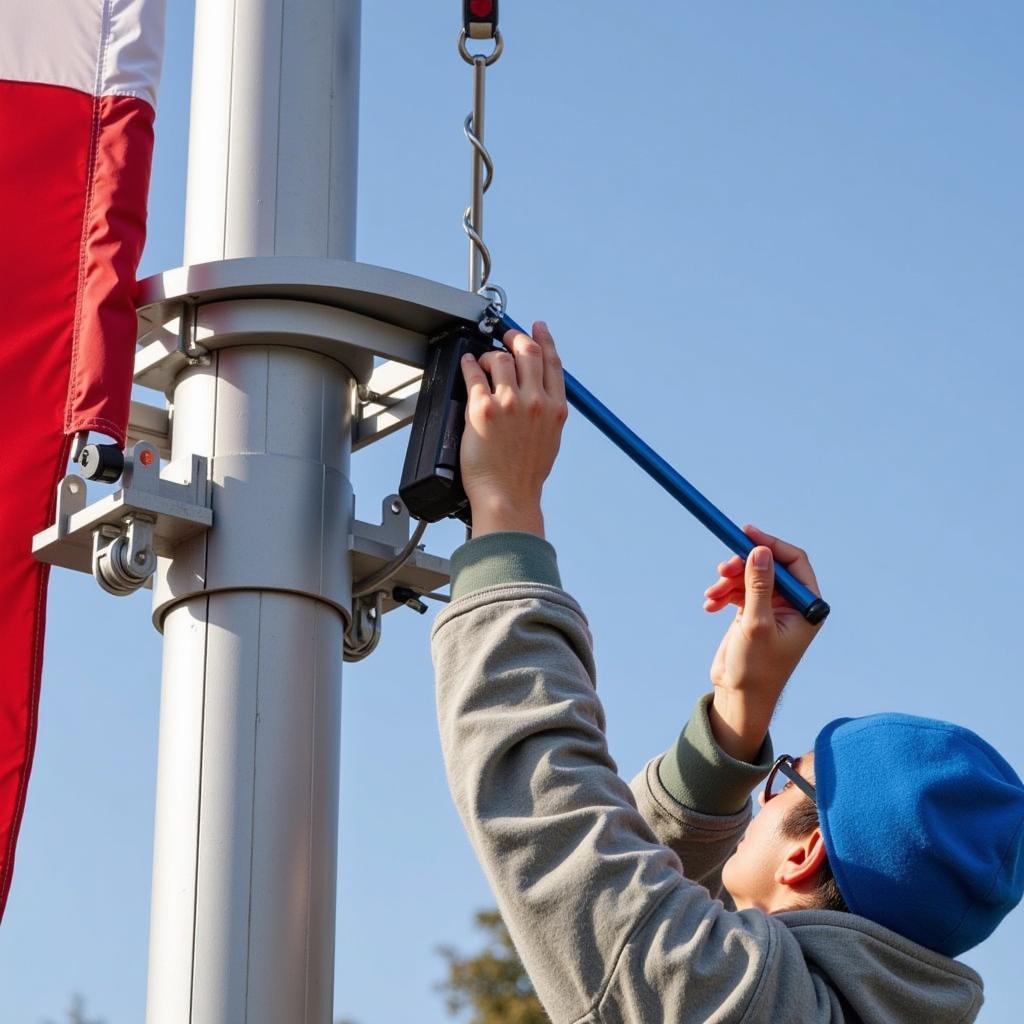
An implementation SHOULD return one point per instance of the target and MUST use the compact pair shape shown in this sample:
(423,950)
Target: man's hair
(801,820)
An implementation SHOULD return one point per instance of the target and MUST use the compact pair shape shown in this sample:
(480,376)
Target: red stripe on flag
(114,232)
(74,172)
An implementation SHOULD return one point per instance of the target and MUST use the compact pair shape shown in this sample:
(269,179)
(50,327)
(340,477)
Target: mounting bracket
(118,537)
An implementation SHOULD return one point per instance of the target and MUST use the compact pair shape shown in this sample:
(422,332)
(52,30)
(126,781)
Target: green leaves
(492,985)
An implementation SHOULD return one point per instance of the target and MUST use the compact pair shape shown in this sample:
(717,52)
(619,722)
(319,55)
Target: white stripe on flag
(99,47)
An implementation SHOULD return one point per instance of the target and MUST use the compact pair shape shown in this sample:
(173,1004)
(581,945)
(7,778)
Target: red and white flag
(78,83)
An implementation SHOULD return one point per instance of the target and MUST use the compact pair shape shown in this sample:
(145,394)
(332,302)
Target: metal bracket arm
(387,402)
(148,423)
(122,533)
(372,546)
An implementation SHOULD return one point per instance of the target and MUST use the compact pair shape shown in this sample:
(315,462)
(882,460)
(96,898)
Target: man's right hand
(762,646)
(514,420)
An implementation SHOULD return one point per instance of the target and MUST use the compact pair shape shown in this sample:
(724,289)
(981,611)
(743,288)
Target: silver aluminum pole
(245,860)
(476,260)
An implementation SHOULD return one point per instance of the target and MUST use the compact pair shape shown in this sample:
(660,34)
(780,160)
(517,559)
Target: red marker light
(480,19)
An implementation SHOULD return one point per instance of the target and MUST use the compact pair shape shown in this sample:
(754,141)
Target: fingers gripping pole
(812,607)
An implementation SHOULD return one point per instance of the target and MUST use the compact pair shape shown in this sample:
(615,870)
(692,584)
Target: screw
(396,506)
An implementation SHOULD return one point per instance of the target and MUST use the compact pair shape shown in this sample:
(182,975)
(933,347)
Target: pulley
(123,558)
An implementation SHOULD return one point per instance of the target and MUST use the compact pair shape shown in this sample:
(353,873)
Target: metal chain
(483,166)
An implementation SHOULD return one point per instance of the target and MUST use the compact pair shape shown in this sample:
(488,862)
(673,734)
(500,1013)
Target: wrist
(739,722)
(503,514)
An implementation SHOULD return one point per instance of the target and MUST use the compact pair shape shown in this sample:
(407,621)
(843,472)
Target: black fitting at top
(480,18)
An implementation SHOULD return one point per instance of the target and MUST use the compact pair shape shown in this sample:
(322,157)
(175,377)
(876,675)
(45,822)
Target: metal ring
(489,59)
(494,292)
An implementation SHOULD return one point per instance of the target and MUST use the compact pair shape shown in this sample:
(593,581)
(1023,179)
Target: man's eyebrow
(805,761)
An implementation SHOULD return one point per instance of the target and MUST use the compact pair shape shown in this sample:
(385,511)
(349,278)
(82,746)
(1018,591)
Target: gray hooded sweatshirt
(612,893)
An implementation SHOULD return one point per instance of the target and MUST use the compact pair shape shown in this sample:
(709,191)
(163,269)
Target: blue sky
(784,242)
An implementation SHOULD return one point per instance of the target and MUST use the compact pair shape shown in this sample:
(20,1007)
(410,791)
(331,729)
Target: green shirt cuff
(702,776)
(500,559)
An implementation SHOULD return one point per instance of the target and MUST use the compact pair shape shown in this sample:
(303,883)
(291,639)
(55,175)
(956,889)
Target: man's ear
(804,857)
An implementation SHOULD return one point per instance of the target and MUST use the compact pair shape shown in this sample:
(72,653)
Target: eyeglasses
(785,765)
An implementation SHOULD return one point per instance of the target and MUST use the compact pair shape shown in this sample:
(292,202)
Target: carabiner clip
(495,311)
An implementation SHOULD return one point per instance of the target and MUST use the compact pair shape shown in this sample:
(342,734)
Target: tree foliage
(76,1012)
(493,984)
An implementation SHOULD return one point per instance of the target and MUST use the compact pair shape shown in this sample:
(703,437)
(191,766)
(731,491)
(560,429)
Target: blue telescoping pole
(810,606)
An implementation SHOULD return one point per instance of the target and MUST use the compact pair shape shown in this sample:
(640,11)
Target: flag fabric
(78,85)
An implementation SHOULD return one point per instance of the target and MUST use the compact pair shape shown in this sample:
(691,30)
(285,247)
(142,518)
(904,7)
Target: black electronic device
(431,485)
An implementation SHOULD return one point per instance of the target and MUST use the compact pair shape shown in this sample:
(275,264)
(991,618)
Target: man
(890,848)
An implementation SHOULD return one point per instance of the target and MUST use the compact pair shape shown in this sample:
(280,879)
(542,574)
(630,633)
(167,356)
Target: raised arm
(725,751)
(606,922)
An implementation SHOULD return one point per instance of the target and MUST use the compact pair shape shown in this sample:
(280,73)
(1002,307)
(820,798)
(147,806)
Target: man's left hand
(762,645)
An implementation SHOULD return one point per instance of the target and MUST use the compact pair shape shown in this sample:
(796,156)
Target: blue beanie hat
(923,823)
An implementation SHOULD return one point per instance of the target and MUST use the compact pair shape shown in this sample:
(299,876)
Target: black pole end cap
(817,612)
(103,462)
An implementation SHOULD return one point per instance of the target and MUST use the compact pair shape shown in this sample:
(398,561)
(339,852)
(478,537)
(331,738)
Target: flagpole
(245,859)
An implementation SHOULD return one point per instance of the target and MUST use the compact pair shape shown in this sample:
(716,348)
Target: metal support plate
(389,296)
(351,311)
